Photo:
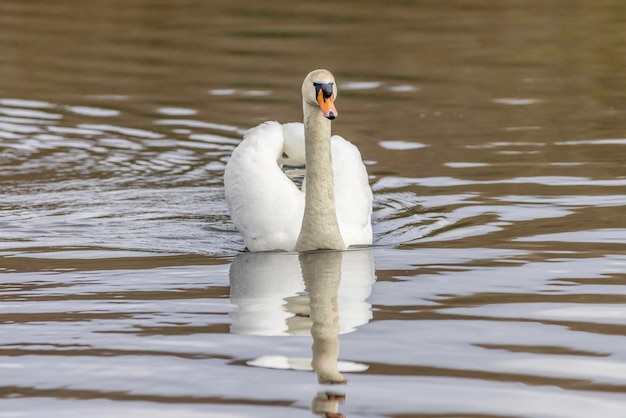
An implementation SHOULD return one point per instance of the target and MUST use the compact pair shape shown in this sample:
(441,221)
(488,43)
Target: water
(494,136)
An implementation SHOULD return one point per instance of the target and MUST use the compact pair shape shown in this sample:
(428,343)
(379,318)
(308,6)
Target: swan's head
(319,89)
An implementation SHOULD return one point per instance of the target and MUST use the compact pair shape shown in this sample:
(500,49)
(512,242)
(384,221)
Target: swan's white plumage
(353,195)
(267,207)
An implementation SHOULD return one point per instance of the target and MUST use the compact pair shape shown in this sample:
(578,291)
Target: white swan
(333,209)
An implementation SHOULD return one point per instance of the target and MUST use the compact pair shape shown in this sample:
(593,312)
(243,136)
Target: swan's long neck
(320,229)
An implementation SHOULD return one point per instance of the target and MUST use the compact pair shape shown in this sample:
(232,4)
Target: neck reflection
(322,274)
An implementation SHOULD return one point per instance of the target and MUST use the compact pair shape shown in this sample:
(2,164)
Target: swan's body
(333,209)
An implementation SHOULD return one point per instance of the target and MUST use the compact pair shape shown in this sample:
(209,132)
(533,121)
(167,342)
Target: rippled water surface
(495,138)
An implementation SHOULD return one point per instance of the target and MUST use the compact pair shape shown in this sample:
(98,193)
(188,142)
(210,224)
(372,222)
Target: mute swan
(333,209)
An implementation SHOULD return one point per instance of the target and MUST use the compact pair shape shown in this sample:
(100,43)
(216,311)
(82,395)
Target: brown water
(495,137)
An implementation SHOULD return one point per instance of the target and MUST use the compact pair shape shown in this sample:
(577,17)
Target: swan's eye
(326,88)
(285,155)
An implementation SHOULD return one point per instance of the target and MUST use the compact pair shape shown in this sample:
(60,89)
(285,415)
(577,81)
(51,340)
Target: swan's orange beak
(327,104)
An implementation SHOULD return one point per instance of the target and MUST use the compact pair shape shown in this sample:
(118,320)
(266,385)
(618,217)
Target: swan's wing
(353,195)
(293,147)
(265,205)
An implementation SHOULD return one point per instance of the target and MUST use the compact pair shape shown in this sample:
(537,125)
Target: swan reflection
(320,293)
(326,404)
